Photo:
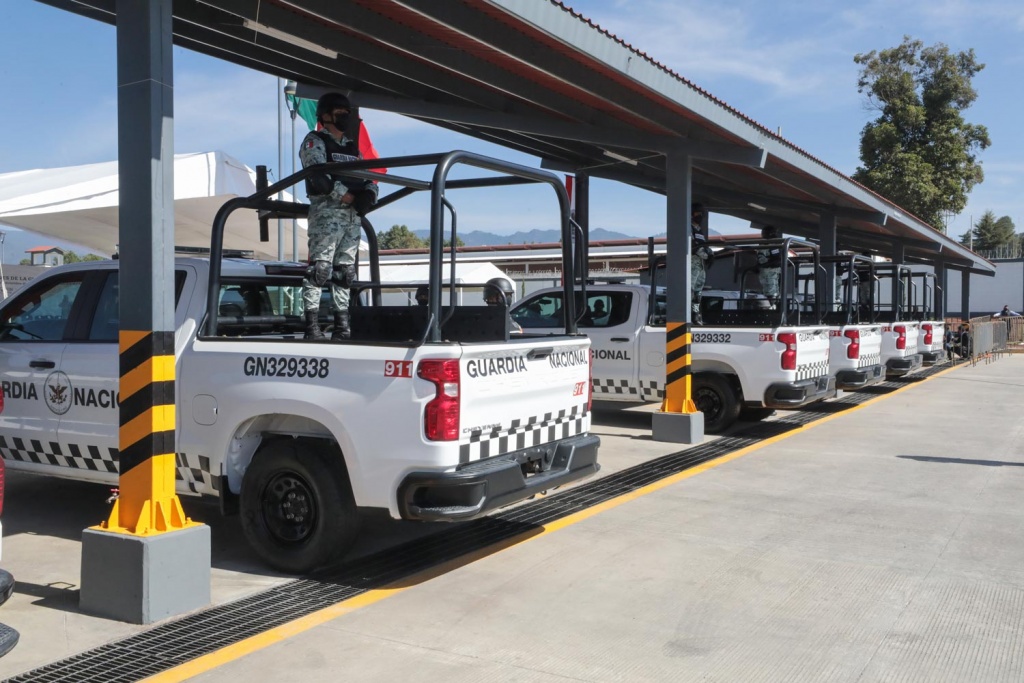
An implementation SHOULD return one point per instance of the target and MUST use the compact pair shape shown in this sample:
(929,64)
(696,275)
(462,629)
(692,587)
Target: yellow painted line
(279,633)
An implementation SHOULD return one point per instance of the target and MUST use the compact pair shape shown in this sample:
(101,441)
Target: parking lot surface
(879,543)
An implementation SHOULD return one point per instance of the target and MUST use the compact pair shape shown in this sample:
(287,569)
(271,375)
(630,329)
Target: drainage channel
(175,643)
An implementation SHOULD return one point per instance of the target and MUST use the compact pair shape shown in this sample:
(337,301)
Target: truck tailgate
(522,394)
(812,346)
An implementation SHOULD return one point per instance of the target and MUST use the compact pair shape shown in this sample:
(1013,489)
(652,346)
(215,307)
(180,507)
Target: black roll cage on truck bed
(574,250)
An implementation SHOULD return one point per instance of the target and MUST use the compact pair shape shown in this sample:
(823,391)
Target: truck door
(91,363)
(610,322)
(33,328)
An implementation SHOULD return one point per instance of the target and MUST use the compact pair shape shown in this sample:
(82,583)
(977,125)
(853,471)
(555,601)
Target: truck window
(107,316)
(41,314)
(607,309)
(544,310)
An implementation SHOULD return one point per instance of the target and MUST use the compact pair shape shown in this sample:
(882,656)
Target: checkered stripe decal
(196,472)
(619,387)
(50,453)
(193,470)
(532,431)
(651,390)
(868,361)
(812,370)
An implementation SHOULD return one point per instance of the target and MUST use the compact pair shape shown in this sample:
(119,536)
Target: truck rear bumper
(898,367)
(800,393)
(848,380)
(930,357)
(477,488)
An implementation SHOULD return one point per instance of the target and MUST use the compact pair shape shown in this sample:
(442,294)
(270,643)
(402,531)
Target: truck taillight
(590,383)
(901,336)
(927,333)
(441,417)
(789,355)
(853,350)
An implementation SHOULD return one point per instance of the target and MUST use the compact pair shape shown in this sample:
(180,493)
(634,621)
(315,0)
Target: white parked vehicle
(747,356)
(428,412)
(899,335)
(855,343)
(924,305)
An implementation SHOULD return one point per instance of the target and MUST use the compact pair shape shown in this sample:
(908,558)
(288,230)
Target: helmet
(769,232)
(328,102)
(422,295)
(498,288)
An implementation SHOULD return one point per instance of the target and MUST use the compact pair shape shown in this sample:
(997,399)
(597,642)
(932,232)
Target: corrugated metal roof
(539,77)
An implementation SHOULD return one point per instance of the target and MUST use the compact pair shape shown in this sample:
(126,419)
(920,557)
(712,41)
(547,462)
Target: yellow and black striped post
(147,503)
(678,373)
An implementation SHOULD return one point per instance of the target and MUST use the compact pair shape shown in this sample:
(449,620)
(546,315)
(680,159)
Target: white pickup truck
(427,413)
(924,304)
(756,368)
(855,346)
(900,337)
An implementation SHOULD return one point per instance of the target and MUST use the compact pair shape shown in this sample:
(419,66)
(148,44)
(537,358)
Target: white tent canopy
(79,204)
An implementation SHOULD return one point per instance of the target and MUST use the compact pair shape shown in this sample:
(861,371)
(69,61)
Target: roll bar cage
(574,250)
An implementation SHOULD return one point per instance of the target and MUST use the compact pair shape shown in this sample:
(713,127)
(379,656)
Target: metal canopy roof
(537,77)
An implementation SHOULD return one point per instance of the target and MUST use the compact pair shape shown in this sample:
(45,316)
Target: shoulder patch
(310,143)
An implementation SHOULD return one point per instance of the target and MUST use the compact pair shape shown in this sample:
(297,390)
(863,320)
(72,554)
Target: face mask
(341,121)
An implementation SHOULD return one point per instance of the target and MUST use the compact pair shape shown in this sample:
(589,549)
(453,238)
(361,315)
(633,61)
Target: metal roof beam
(876,217)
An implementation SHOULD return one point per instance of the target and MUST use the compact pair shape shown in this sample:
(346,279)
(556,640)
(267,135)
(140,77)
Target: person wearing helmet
(700,257)
(770,261)
(336,204)
(498,292)
(422,295)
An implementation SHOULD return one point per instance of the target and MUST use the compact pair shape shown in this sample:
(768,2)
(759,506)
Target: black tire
(297,508)
(756,414)
(715,397)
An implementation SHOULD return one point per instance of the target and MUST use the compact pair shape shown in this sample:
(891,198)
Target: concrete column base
(678,427)
(143,579)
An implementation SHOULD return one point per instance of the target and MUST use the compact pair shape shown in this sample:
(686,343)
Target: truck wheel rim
(708,402)
(289,508)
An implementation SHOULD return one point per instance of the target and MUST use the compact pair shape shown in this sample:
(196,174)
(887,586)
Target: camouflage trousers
(769,278)
(698,275)
(333,237)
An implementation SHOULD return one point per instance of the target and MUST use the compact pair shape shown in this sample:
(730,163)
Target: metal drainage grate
(175,643)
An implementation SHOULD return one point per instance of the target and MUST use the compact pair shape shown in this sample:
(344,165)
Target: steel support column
(940,283)
(899,255)
(965,294)
(679,420)
(828,245)
(120,557)
(583,206)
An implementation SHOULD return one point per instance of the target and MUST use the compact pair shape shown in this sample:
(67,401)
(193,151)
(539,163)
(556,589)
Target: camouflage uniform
(333,230)
(770,273)
(700,253)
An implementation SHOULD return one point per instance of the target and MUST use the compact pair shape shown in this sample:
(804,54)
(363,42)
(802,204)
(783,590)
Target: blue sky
(786,64)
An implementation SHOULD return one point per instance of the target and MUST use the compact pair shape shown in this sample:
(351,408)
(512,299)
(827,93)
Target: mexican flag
(307,110)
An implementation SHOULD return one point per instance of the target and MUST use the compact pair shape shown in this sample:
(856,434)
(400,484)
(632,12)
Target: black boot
(341,326)
(313,330)
(696,317)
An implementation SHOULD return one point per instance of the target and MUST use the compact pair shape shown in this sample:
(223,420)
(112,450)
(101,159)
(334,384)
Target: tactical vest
(697,238)
(338,151)
(774,256)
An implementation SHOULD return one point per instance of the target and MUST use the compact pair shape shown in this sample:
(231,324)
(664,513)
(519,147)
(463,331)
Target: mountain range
(479,238)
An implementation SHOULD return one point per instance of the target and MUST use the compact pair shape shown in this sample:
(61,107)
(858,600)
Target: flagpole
(280,170)
(292,102)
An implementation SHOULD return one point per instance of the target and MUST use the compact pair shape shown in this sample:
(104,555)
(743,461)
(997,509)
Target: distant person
(770,262)
(336,204)
(498,292)
(962,342)
(599,316)
(1006,312)
(422,295)
(700,260)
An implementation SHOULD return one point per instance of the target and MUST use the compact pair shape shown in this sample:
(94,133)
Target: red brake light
(853,350)
(901,339)
(927,327)
(590,383)
(789,355)
(441,417)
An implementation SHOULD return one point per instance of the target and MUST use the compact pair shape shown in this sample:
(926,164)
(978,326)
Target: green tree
(400,237)
(920,152)
(991,234)
(448,243)
(73,257)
